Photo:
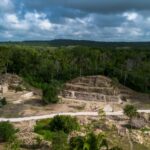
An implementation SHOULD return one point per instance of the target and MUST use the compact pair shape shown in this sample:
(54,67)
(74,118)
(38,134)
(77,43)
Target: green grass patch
(146,129)
(48,128)
(42,129)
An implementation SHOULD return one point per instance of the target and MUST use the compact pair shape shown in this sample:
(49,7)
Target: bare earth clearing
(34,107)
(28,102)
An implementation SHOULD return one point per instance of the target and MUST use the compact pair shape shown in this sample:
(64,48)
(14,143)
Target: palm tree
(95,142)
(102,141)
(77,143)
(89,142)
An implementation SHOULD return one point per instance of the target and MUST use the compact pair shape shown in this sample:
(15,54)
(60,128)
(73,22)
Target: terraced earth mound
(100,88)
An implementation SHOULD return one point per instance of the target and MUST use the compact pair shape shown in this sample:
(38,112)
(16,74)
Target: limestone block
(27,95)
(4,88)
(108,108)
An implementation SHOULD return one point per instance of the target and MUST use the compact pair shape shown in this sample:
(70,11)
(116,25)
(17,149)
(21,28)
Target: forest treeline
(69,42)
(48,67)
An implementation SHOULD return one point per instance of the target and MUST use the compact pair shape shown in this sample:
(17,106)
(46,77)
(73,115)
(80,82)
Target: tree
(5,54)
(102,141)
(63,123)
(7,131)
(50,95)
(51,91)
(91,142)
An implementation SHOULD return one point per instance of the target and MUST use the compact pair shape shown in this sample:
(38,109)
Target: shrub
(18,88)
(76,143)
(145,129)
(7,131)
(116,148)
(3,101)
(13,144)
(41,125)
(59,141)
(42,128)
(130,111)
(49,127)
(63,123)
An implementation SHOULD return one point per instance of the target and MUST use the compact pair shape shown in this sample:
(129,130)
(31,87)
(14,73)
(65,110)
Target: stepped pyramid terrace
(99,88)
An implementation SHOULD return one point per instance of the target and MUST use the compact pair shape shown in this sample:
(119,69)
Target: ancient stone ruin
(3,88)
(9,81)
(13,88)
(100,88)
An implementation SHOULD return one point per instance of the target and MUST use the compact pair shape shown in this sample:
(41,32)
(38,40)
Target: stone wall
(3,88)
(97,88)
(89,96)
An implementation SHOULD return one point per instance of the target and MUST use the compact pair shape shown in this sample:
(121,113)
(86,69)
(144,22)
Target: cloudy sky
(100,20)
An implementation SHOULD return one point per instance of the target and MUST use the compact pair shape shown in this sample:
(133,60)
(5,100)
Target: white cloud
(45,25)
(12,22)
(34,16)
(30,21)
(131,16)
(38,20)
(6,5)
(132,31)
(32,25)
(11,18)
(22,24)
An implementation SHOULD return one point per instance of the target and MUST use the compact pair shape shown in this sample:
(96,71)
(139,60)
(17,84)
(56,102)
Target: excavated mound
(99,88)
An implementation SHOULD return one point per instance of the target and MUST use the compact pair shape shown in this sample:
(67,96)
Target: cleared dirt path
(117,113)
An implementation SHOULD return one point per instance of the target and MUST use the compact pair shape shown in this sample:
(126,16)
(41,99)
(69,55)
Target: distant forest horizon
(69,42)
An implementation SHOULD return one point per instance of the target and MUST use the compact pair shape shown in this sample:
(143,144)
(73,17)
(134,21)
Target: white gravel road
(117,113)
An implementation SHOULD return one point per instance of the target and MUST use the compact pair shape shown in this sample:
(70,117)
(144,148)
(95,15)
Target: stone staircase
(99,88)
